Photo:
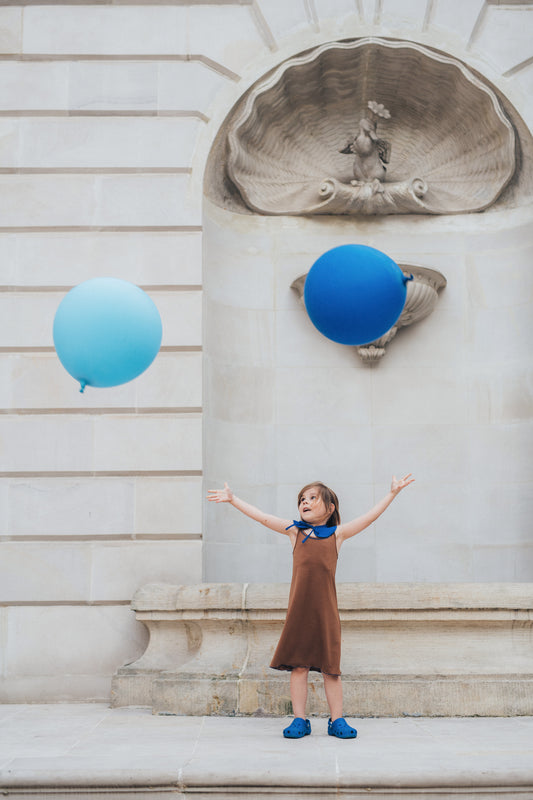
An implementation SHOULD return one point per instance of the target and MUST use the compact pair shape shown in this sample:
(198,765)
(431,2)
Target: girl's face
(312,507)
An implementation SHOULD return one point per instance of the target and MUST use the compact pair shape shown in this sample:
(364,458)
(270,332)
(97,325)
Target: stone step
(93,752)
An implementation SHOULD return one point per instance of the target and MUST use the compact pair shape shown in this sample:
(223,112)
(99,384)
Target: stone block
(430,562)
(170,696)
(168,505)
(500,507)
(96,572)
(238,529)
(107,142)
(38,381)
(494,333)
(114,86)
(505,35)
(37,443)
(233,451)
(50,571)
(4,505)
(33,86)
(29,317)
(502,398)
(438,453)
(304,451)
(438,698)
(503,561)
(66,653)
(489,288)
(225,34)
(146,200)
(70,506)
(105,30)
(9,142)
(246,281)
(421,395)
(347,401)
(66,259)
(5,385)
(10,30)
(403,17)
(103,443)
(501,453)
(336,10)
(88,200)
(155,442)
(456,17)
(188,86)
(254,403)
(47,200)
(248,335)
(181,314)
(298,342)
(284,19)
(118,568)
(224,561)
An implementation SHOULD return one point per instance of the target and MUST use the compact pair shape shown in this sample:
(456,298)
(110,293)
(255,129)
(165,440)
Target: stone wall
(107,115)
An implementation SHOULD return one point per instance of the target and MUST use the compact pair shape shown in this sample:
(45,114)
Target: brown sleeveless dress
(311,636)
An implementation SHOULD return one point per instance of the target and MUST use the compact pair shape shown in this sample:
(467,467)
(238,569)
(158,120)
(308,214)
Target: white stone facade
(108,113)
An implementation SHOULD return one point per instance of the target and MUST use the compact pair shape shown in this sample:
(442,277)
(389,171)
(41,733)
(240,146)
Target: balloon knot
(83,384)
(408,278)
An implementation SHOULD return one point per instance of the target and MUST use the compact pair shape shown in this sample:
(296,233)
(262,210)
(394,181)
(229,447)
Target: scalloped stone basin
(452,146)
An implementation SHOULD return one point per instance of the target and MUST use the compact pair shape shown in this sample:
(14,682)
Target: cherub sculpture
(371,153)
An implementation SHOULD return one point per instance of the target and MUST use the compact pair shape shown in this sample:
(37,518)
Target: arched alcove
(451,400)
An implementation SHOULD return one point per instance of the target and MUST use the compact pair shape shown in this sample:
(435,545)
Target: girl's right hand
(224,495)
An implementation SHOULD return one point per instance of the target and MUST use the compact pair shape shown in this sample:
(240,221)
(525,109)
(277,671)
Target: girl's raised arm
(349,529)
(225,495)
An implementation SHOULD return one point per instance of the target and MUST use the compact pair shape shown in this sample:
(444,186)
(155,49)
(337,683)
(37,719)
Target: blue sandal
(298,728)
(341,729)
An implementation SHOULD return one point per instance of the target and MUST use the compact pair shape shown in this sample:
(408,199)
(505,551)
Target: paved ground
(90,750)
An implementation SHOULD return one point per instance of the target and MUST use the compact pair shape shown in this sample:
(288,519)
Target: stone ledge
(128,753)
(408,649)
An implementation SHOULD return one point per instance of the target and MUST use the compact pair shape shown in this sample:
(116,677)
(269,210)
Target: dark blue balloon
(354,294)
(106,332)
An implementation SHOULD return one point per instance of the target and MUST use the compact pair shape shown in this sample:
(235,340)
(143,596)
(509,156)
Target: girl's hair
(328,496)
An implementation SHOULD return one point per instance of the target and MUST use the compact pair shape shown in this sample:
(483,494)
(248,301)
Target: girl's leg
(299,677)
(333,689)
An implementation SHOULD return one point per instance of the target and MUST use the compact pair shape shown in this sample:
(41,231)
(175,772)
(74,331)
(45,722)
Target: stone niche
(370,127)
(407,649)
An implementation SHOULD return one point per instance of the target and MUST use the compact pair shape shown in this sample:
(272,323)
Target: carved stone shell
(452,146)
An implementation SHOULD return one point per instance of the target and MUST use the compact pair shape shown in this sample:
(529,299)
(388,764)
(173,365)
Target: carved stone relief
(370,126)
(421,299)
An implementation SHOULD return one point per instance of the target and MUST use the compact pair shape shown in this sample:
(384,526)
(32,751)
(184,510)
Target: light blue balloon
(106,332)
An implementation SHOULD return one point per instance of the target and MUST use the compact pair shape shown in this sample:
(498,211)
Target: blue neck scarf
(320,531)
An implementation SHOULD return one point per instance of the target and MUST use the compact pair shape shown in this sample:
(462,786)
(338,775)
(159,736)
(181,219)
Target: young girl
(311,636)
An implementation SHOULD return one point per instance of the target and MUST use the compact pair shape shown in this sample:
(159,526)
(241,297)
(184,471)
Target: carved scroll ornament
(305,139)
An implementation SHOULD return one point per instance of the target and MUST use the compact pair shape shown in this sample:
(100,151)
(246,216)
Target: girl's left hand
(398,485)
